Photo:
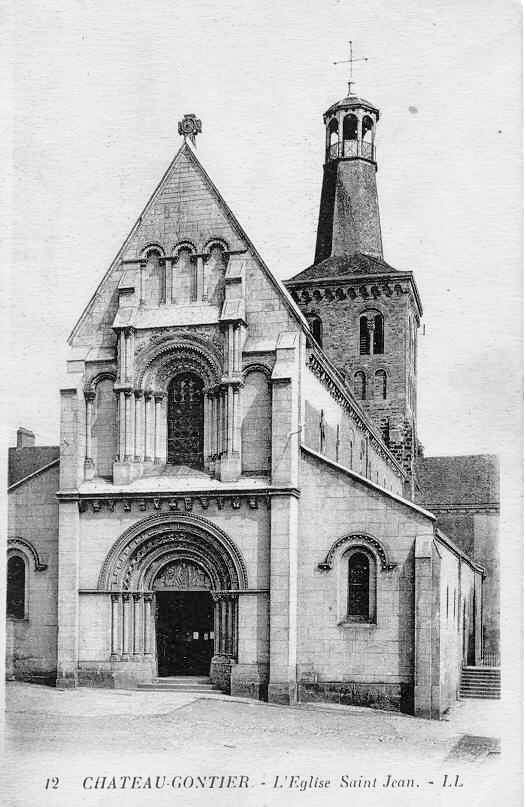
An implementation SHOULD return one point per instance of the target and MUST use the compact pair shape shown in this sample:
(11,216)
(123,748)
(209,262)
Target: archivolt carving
(27,549)
(160,362)
(362,539)
(91,384)
(143,550)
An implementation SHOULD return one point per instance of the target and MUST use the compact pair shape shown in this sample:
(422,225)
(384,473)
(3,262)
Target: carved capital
(138,393)
(89,395)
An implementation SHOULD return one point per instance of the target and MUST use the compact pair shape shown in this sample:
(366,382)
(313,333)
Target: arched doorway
(184,619)
(174,583)
(185,420)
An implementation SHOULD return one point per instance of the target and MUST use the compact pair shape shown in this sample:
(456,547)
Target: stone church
(239,493)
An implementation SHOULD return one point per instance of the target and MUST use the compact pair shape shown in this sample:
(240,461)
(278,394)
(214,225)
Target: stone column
(148,426)
(165,274)
(236,426)
(115,608)
(230,419)
(89,467)
(122,357)
(207,432)
(141,282)
(148,624)
(158,397)
(130,423)
(122,427)
(137,644)
(139,426)
(126,619)
(217,623)
(230,340)
(370,328)
(199,278)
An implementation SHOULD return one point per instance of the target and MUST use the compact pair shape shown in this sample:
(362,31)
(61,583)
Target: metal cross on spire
(350,61)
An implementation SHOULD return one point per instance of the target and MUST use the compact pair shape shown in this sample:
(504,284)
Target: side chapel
(234,496)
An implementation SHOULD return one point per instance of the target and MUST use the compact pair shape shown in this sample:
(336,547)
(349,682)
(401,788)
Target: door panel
(184,627)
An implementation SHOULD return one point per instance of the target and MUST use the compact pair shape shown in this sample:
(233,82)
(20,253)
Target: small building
(235,491)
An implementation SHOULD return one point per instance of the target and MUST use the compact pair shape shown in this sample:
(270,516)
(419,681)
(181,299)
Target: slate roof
(26,461)
(352,102)
(471,480)
(357,264)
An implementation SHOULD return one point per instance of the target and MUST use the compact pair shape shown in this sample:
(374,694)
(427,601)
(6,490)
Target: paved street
(110,733)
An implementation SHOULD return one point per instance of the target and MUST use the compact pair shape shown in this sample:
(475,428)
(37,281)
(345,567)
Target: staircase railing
(489,660)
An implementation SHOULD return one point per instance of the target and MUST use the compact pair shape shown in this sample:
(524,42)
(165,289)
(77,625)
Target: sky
(97,90)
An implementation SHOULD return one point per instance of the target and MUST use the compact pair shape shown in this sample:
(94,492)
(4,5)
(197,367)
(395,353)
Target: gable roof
(26,462)
(467,480)
(186,151)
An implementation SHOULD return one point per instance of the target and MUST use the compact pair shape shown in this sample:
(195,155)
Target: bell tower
(349,216)
(363,312)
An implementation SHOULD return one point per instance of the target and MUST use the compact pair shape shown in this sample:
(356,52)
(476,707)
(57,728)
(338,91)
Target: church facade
(234,493)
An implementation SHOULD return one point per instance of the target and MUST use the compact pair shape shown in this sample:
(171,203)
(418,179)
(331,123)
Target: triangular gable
(185,153)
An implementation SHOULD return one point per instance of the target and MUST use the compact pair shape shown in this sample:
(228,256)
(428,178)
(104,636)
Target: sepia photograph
(262,326)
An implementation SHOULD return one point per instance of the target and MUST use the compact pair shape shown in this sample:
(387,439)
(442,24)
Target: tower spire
(350,61)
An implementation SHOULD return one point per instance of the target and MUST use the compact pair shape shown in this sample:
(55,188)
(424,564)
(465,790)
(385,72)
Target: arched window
(350,136)
(380,384)
(215,274)
(184,280)
(360,385)
(333,139)
(16,587)
(378,338)
(367,128)
(371,333)
(154,277)
(358,602)
(316,329)
(364,336)
(185,420)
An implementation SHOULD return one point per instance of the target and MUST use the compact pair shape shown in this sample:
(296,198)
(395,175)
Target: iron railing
(490,660)
(351,148)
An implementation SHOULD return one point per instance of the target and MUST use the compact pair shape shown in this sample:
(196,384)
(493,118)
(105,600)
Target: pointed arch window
(360,385)
(380,384)
(16,587)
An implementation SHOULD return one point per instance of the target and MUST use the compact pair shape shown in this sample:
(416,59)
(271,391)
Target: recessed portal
(185,632)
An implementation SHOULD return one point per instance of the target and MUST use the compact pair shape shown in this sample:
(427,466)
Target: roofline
(33,473)
(369,278)
(444,539)
(185,147)
(345,390)
(400,499)
(124,244)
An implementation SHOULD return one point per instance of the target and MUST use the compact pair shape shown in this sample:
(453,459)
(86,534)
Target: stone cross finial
(190,126)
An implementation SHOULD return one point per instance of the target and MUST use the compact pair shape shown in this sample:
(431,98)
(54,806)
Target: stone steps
(480,682)
(180,683)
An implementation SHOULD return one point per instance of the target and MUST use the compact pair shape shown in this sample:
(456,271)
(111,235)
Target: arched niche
(256,421)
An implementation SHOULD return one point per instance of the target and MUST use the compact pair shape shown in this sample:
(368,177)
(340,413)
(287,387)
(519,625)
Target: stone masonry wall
(377,658)
(32,642)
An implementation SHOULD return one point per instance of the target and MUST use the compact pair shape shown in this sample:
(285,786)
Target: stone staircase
(480,682)
(180,683)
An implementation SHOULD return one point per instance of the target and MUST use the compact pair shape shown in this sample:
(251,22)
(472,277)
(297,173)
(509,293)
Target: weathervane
(190,126)
(350,61)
